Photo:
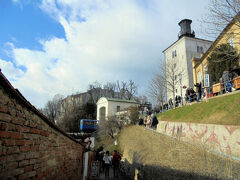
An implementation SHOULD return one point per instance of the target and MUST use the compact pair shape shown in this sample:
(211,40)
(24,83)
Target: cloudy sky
(50,47)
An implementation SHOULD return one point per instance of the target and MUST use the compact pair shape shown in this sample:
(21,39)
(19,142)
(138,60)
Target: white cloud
(10,71)
(105,41)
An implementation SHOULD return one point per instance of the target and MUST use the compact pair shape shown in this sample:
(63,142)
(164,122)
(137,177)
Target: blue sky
(50,47)
(24,24)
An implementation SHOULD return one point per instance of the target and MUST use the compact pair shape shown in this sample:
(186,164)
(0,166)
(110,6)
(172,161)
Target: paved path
(111,177)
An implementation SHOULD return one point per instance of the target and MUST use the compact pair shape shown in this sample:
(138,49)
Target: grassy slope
(222,110)
(161,154)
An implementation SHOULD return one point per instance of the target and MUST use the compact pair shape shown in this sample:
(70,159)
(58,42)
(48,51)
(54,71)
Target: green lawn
(223,110)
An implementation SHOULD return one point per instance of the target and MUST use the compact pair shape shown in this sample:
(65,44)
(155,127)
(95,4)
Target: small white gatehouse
(107,107)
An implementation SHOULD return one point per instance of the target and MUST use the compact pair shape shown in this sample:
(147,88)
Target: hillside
(224,110)
(157,155)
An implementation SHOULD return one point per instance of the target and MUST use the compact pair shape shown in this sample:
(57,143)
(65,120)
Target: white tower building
(180,54)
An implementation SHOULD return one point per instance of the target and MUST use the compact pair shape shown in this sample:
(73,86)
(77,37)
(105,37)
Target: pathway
(111,177)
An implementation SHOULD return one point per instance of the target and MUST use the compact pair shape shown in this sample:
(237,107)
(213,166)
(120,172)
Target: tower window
(174,54)
(199,49)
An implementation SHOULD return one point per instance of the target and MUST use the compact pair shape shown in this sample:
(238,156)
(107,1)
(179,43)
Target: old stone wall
(148,154)
(220,138)
(32,147)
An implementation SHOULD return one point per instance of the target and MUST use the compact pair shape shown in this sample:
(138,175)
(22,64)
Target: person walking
(229,86)
(154,121)
(107,163)
(116,162)
(149,117)
(198,90)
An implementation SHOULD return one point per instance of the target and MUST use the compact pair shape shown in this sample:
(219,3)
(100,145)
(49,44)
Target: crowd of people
(106,161)
(149,120)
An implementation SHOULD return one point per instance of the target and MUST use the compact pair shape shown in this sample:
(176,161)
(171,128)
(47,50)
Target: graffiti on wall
(221,138)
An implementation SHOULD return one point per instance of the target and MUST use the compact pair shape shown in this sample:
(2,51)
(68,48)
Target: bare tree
(52,107)
(114,124)
(220,14)
(157,89)
(172,73)
(95,91)
(121,90)
(111,126)
(70,120)
(110,89)
(164,81)
(131,90)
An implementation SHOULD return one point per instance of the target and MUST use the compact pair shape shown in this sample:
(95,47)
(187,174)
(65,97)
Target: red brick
(36,166)
(27,136)
(32,155)
(40,175)
(12,165)
(23,163)
(18,121)
(24,129)
(31,124)
(18,107)
(13,150)
(25,148)
(28,168)
(35,148)
(19,142)
(15,135)
(3,126)
(34,131)
(33,161)
(43,133)
(5,117)
(18,157)
(8,142)
(4,134)
(13,111)
(4,109)
(27,175)
(15,172)
(28,142)
(12,127)
(3,158)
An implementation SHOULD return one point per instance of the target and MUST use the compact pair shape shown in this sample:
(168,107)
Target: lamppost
(180,79)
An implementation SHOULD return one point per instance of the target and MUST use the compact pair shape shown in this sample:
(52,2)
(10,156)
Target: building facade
(179,56)
(107,107)
(230,35)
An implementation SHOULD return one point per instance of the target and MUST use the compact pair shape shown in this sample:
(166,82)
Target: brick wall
(32,147)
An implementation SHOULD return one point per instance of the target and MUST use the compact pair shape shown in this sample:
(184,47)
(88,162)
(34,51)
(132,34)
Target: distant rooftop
(122,100)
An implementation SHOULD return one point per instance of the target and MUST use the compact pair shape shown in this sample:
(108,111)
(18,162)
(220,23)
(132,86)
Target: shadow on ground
(154,172)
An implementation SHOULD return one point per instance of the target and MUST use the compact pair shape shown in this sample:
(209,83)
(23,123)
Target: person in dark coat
(140,122)
(198,90)
(116,162)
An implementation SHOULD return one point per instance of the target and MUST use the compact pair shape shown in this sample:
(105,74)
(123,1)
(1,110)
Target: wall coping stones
(15,93)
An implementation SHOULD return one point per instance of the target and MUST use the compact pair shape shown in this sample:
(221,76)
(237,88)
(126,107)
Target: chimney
(185,25)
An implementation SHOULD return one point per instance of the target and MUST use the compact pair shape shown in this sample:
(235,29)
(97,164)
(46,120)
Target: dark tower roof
(185,26)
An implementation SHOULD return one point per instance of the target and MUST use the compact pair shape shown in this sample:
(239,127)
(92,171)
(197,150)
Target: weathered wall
(221,138)
(152,155)
(30,145)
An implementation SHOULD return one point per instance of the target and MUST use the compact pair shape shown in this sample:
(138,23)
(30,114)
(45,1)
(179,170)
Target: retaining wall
(220,138)
(31,146)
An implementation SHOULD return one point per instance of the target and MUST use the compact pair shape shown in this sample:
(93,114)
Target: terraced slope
(224,110)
